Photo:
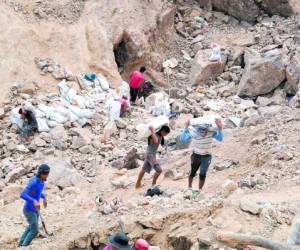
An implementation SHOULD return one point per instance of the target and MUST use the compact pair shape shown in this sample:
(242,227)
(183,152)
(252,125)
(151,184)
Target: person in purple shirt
(32,194)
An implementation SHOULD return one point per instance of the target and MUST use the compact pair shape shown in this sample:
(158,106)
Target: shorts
(151,162)
(202,162)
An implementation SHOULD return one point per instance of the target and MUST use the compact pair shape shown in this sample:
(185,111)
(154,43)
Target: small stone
(285,156)
(225,165)
(178,176)
(21,148)
(49,151)
(171,63)
(2,185)
(15,174)
(110,130)
(2,113)
(120,123)
(46,137)
(86,149)
(169,174)
(107,209)
(229,186)
(26,88)
(121,182)
(250,207)
(78,142)
(263,101)
(39,142)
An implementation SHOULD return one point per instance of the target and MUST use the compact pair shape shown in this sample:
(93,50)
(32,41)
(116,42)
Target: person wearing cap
(32,194)
(141,244)
(118,241)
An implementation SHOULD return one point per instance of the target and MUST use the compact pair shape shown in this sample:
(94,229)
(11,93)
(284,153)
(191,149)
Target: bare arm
(153,135)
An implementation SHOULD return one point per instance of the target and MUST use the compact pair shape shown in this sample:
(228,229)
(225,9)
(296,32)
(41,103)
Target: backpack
(153,191)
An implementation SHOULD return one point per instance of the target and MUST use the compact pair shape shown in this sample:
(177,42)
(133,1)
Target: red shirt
(136,78)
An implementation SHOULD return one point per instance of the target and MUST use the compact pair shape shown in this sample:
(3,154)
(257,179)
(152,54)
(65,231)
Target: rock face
(250,207)
(242,9)
(284,7)
(262,74)
(203,70)
(62,175)
(293,74)
(249,10)
(110,29)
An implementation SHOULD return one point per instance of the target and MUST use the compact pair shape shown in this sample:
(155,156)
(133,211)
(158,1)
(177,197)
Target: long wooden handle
(242,240)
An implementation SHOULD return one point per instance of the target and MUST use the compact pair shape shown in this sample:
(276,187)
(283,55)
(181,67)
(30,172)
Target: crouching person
(32,194)
(30,124)
(154,140)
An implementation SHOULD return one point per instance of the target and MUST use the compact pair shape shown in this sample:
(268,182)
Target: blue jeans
(32,229)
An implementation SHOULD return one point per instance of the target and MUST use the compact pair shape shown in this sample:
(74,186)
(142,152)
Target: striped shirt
(203,137)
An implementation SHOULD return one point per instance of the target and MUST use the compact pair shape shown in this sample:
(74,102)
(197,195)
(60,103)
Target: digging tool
(44,225)
(121,225)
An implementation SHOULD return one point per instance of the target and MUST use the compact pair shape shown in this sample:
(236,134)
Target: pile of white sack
(72,107)
(158,104)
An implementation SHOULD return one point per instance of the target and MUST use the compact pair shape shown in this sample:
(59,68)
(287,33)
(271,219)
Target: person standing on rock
(137,78)
(32,194)
(30,124)
(202,138)
(154,140)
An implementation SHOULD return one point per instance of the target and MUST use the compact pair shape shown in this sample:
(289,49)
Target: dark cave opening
(121,56)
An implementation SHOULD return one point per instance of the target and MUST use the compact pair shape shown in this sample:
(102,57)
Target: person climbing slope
(202,137)
(32,194)
(154,140)
(137,78)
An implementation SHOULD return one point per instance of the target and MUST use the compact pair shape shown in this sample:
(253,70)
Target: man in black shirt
(30,124)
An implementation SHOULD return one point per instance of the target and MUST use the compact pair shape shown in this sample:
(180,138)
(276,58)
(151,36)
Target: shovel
(44,226)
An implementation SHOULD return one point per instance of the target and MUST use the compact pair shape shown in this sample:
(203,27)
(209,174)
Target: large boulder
(293,74)
(262,74)
(249,10)
(204,70)
(15,174)
(63,175)
(242,9)
(283,7)
(10,193)
(116,29)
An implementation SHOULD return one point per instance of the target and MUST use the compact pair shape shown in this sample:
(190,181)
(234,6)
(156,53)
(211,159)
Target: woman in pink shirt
(136,80)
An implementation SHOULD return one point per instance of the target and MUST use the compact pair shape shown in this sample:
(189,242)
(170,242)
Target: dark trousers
(133,94)
(202,162)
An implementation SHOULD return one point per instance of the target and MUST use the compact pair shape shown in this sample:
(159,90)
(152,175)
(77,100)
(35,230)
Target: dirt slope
(80,34)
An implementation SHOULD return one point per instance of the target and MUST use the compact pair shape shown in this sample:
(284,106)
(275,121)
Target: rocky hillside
(82,35)
(253,182)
